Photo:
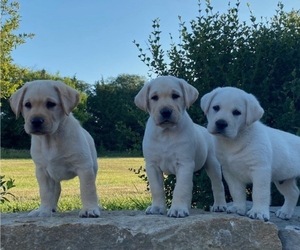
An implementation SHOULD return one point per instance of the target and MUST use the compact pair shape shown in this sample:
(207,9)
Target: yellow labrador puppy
(173,144)
(60,148)
(251,152)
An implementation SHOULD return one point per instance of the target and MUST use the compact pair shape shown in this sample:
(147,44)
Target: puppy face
(43,104)
(166,98)
(229,110)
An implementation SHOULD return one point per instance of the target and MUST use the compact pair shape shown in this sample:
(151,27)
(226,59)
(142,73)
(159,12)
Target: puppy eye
(216,108)
(28,105)
(154,98)
(236,112)
(175,96)
(50,105)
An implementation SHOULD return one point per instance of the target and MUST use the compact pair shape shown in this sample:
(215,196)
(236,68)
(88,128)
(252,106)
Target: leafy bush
(4,187)
(201,196)
(216,49)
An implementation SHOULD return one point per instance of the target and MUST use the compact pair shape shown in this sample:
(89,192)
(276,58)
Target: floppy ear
(141,99)
(190,93)
(206,100)
(16,100)
(68,96)
(253,109)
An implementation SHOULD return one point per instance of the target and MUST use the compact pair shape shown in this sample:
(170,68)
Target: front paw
(236,209)
(258,214)
(178,212)
(155,210)
(41,212)
(284,215)
(215,208)
(90,212)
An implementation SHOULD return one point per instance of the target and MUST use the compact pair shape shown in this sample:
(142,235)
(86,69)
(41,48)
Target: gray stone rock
(290,237)
(135,230)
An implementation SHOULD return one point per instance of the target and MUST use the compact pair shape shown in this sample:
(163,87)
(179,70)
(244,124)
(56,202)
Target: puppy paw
(234,209)
(178,212)
(90,212)
(282,214)
(258,214)
(218,208)
(41,212)
(155,210)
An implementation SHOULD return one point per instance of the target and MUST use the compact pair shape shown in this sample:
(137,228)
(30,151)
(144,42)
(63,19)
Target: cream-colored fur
(251,152)
(173,144)
(60,148)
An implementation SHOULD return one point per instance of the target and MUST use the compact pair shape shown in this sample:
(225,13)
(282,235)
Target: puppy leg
(156,182)
(290,191)
(261,195)
(182,195)
(213,170)
(87,179)
(49,193)
(237,191)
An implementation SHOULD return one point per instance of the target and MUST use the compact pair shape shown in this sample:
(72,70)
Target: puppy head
(229,110)
(165,99)
(43,104)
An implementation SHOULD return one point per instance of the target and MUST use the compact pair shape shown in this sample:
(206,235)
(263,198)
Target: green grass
(118,188)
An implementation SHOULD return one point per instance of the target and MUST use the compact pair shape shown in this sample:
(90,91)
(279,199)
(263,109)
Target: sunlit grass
(118,188)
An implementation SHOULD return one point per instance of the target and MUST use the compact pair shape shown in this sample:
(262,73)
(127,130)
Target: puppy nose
(166,113)
(221,124)
(37,122)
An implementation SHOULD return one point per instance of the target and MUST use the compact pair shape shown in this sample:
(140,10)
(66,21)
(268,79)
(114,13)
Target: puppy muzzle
(166,117)
(221,125)
(222,128)
(37,125)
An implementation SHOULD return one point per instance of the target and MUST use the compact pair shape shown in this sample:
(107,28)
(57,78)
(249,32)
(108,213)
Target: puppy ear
(16,100)
(190,93)
(141,99)
(207,99)
(68,96)
(253,109)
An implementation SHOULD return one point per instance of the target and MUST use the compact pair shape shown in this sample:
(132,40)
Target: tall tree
(115,123)
(10,73)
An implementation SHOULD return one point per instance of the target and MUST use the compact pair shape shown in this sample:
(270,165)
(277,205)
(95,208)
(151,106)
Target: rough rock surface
(135,230)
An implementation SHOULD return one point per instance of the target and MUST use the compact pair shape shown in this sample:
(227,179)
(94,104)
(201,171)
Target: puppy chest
(168,164)
(56,170)
(60,172)
(168,154)
(239,167)
(165,162)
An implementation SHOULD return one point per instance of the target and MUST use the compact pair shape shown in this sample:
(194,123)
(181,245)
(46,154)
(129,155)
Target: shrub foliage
(217,50)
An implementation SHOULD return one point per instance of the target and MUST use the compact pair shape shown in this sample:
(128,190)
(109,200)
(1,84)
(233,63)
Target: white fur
(60,148)
(173,144)
(251,152)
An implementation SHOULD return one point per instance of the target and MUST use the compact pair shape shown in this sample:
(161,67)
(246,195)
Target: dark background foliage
(115,122)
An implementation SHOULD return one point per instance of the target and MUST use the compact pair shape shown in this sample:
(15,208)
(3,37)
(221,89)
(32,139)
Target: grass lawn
(118,188)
